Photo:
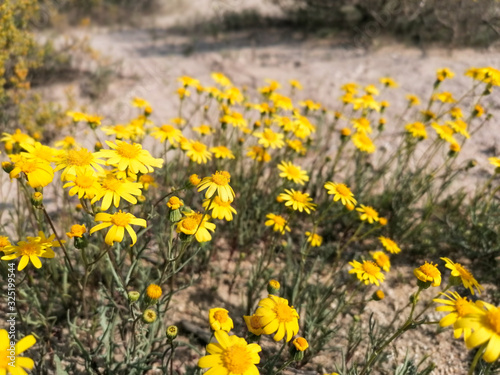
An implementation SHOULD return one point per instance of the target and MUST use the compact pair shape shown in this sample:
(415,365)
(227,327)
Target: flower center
(371,268)
(120,219)
(28,167)
(462,306)
(221,316)
(237,359)
(189,223)
(430,270)
(371,212)
(464,274)
(284,313)
(167,128)
(270,135)
(293,171)
(343,190)
(84,181)
(255,322)
(128,151)
(112,184)
(199,147)
(4,361)
(221,178)
(278,220)
(299,197)
(29,249)
(493,317)
(79,157)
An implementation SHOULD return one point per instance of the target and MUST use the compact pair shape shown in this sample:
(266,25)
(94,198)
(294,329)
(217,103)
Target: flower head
(219,319)
(231,355)
(314,239)
(428,273)
(293,172)
(119,222)
(20,364)
(457,270)
(220,210)
(76,231)
(174,203)
(30,250)
(417,130)
(382,260)
(389,245)
(218,183)
(368,213)
(363,142)
(278,222)
(277,316)
(300,344)
(298,201)
(196,224)
(341,193)
(367,272)
(154,292)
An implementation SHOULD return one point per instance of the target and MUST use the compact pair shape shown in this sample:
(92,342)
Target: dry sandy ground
(151,58)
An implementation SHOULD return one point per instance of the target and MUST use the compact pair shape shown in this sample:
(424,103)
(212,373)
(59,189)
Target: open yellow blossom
(388,82)
(297,146)
(428,273)
(268,138)
(222,152)
(444,132)
(362,124)
(221,79)
(417,130)
(174,203)
(457,270)
(367,272)
(85,184)
(277,316)
(298,201)
(278,223)
(218,183)
(413,100)
(30,250)
(147,180)
(4,242)
(382,260)
(119,222)
(154,292)
(236,119)
(458,307)
(340,193)
(167,132)
(293,172)
(295,84)
(220,210)
(38,151)
(389,245)
(219,319)
(494,161)
(363,142)
(310,105)
(197,151)
(231,355)
(459,126)
(113,189)
(443,74)
(76,231)
(38,172)
(368,213)
(125,156)
(196,224)
(259,154)
(20,364)
(314,239)
(77,161)
(119,131)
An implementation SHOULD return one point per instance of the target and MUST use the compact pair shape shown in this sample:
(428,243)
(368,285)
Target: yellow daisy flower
(167,132)
(196,224)
(38,172)
(389,245)
(388,82)
(363,142)
(443,74)
(298,201)
(293,172)
(368,213)
(30,250)
(113,189)
(219,319)
(314,239)
(495,161)
(428,273)
(268,138)
(367,272)
(278,223)
(444,132)
(413,100)
(362,125)
(382,260)
(259,154)
(486,327)
(230,355)
(222,152)
(76,161)
(417,130)
(220,210)
(21,364)
(457,270)
(295,84)
(277,316)
(218,183)
(85,185)
(196,151)
(119,222)
(340,193)
(221,79)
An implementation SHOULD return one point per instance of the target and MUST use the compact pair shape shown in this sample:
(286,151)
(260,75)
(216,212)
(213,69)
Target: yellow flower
(119,222)
(362,125)
(254,324)
(113,189)
(140,103)
(382,260)
(310,105)
(38,151)
(277,316)
(297,146)
(221,79)
(147,180)
(382,221)
(29,250)
(67,143)
(130,156)
(413,100)
(298,201)
(17,138)
(218,183)
(371,90)
(167,132)
(388,82)
(341,193)
(236,119)
(222,152)
(457,270)
(183,92)
(278,223)
(389,245)
(443,74)
(487,75)
(174,203)
(268,138)
(76,231)
(4,242)
(84,184)
(459,126)
(300,344)
(38,172)
(119,131)
(293,172)
(188,81)
(486,327)
(220,210)
(428,273)
(367,272)
(363,142)
(219,319)
(350,88)
(295,84)
(444,132)
(458,307)
(417,130)
(444,97)
(368,213)
(153,292)
(20,364)
(314,239)
(203,129)
(196,224)
(478,111)
(230,355)
(259,153)
(196,151)
(194,179)
(77,161)
(456,113)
